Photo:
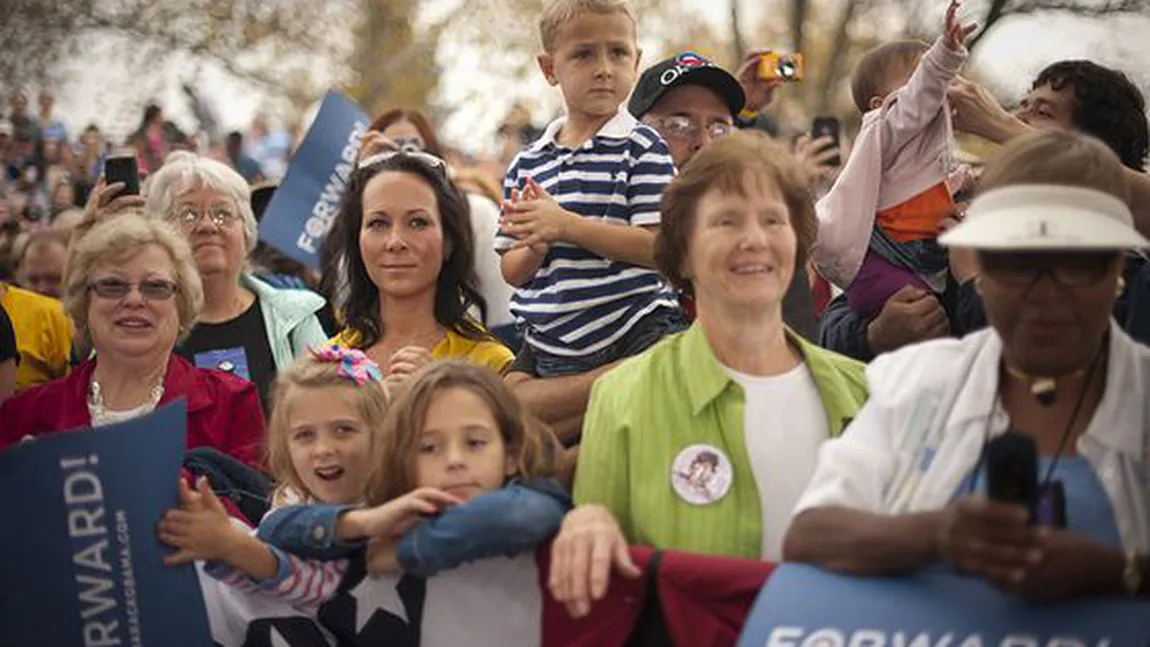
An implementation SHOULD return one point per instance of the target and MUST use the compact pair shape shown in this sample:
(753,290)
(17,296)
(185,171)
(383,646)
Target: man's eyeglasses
(116,289)
(1072,270)
(682,127)
(220,216)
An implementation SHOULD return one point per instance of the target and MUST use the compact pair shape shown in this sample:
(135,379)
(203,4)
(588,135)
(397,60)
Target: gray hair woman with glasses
(247,327)
(133,291)
(907,485)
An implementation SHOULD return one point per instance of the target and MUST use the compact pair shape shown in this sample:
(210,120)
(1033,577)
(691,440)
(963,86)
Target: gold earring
(978,285)
(1121,286)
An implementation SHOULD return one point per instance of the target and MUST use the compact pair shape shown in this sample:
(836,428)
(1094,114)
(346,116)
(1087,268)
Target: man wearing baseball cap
(690,101)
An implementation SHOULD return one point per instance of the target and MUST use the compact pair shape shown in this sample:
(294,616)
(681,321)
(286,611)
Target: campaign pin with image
(701,474)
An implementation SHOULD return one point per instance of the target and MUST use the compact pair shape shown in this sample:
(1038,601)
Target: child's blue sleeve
(308,531)
(505,522)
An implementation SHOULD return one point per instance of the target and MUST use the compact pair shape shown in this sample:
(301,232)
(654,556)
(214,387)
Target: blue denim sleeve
(844,331)
(506,522)
(307,531)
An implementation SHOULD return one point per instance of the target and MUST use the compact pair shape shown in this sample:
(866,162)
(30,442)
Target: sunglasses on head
(150,289)
(427,159)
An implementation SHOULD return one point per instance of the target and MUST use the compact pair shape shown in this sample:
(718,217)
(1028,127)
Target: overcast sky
(1009,57)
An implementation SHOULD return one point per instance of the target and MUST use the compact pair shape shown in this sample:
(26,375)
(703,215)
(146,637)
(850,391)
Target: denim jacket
(503,522)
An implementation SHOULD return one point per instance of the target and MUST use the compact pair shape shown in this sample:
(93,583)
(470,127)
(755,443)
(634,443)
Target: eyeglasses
(1071,270)
(427,159)
(682,127)
(116,289)
(220,216)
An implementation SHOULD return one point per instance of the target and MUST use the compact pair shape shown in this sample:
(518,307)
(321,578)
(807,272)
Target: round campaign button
(226,366)
(701,475)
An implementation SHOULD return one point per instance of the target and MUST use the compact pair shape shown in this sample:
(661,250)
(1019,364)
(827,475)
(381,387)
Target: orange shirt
(919,217)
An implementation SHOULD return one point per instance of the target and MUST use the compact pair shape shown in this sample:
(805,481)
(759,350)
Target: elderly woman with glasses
(1054,381)
(247,328)
(408,253)
(132,291)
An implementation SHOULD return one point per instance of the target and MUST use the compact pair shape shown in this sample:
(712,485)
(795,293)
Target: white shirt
(923,429)
(784,424)
(484,222)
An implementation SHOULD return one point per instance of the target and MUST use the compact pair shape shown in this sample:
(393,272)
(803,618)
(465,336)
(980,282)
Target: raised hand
(956,32)
(201,528)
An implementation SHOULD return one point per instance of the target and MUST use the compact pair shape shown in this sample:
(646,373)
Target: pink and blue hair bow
(353,364)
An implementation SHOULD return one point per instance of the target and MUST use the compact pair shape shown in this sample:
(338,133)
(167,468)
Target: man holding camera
(690,101)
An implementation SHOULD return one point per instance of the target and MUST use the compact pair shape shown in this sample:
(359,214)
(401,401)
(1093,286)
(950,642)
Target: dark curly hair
(1106,105)
(456,290)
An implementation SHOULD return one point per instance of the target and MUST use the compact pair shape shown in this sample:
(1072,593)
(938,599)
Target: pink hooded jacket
(903,148)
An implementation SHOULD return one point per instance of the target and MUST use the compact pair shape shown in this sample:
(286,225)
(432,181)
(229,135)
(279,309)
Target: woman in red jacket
(132,290)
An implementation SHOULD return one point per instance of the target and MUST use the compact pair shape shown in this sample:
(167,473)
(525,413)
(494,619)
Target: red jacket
(702,601)
(223,410)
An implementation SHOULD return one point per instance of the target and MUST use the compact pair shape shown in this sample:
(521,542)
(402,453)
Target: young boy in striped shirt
(582,203)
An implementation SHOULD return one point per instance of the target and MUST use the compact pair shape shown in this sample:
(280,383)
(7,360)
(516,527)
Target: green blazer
(645,412)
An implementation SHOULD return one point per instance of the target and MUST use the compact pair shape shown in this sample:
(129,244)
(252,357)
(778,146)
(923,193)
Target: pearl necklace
(100,414)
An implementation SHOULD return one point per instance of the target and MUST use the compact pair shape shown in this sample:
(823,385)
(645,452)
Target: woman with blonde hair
(132,291)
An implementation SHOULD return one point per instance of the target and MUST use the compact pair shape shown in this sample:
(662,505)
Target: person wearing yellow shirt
(43,335)
(408,253)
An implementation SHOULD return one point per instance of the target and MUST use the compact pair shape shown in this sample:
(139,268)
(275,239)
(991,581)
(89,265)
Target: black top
(8,348)
(239,347)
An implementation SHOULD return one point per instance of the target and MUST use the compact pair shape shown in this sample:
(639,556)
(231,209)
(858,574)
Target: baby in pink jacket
(879,222)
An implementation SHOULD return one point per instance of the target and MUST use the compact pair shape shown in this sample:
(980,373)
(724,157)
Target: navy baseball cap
(687,68)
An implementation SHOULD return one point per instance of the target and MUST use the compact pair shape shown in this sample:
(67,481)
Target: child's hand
(536,219)
(397,516)
(381,556)
(201,528)
(956,32)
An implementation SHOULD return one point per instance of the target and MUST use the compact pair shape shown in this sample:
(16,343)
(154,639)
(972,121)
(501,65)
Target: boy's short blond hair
(559,12)
(881,66)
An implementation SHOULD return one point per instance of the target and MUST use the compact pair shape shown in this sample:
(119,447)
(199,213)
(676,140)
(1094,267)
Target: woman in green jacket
(705,442)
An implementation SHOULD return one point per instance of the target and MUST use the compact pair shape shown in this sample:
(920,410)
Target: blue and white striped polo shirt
(579,302)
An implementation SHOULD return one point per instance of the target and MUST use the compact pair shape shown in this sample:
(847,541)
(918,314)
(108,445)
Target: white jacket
(931,409)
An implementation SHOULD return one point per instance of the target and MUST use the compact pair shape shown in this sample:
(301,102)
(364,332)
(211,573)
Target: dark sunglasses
(151,289)
(1072,270)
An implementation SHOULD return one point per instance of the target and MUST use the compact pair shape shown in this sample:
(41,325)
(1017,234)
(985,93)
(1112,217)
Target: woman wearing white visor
(906,485)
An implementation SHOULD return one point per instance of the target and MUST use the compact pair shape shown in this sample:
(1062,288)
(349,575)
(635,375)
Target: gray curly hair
(183,171)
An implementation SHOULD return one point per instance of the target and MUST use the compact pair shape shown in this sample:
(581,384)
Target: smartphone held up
(831,128)
(123,169)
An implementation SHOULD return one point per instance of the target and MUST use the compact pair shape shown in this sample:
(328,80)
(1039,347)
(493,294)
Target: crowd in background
(652,322)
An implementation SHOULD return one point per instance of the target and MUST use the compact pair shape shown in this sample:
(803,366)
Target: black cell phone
(123,169)
(1012,470)
(829,127)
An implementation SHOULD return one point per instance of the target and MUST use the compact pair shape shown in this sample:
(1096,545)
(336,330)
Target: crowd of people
(629,343)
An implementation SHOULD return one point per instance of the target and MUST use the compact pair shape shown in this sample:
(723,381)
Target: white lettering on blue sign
(325,210)
(84,498)
(800,637)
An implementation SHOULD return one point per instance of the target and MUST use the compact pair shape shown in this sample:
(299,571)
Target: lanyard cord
(1048,478)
